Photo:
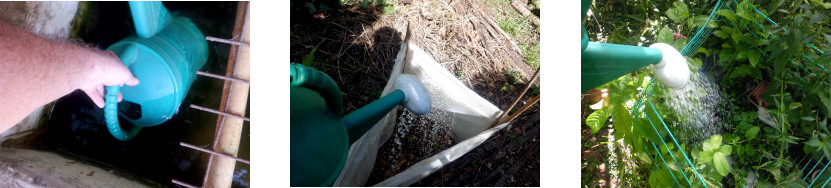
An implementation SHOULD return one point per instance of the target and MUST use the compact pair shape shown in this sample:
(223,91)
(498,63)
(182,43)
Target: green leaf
(703,50)
(753,56)
(808,118)
(644,157)
(665,179)
(665,36)
(736,36)
(726,149)
(653,179)
(674,15)
(705,156)
(814,142)
(721,34)
(795,105)
(741,56)
(823,125)
(636,18)
(713,143)
(727,14)
(309,58)
(825,99)
(597,119)
(622,121)
(679,12)
(750,150)
(721,165)
(679,44)
(817,17)
(825,58)
(821,3)
(751,133)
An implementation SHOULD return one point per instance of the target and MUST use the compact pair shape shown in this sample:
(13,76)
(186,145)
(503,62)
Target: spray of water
(698,107)
(435,125)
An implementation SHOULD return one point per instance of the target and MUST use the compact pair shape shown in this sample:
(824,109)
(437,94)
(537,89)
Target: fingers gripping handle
(127,57)
(111,115)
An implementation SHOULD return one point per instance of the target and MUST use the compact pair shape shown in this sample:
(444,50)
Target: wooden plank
(234,100)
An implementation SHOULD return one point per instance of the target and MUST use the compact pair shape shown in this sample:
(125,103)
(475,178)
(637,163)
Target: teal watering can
(165,57)
(320,136)
(604,62)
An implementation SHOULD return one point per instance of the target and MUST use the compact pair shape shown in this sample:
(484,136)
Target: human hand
(107,71)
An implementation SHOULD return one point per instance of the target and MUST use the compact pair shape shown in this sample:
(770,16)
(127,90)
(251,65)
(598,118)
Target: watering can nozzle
(672,71)
(416,98)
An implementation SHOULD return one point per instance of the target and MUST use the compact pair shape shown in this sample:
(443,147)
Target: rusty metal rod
(226,41)
(218,112)
(495,122)
(222,77)
(183,183)
(213,152)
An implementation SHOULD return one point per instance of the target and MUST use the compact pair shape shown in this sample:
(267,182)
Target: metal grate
(236,43)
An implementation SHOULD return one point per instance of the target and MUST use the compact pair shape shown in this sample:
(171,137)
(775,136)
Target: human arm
(35,71)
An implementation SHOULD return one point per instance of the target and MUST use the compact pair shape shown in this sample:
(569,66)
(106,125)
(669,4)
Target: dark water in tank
(76,126)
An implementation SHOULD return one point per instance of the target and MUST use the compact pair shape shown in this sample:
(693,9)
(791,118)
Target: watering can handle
(127,57)
(111,115)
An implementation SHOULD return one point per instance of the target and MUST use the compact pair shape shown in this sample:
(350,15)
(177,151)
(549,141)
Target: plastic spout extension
(672,71)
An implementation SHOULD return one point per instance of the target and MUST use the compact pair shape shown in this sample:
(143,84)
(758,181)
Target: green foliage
(597,119)
(385,6)
(309,59)
(760,138)
(679,12)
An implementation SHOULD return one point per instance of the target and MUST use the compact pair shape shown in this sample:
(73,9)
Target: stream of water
(699,107)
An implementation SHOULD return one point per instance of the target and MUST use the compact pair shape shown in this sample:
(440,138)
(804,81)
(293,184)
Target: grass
(520,28)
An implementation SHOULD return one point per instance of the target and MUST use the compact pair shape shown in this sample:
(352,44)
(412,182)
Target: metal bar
(226,41)
(213,152)
(218,112)
(222,77)
(183,183)
(216,172)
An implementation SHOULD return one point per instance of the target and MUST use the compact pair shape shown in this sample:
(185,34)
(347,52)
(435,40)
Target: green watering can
(604,62)
(165,57)
(320,136)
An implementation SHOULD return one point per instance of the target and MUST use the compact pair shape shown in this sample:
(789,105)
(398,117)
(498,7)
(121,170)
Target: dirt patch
(508,158)
(415,138)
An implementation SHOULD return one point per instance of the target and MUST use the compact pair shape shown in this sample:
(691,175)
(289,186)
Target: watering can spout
(604,62)
(149,17)
(672,71)
(408,92)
